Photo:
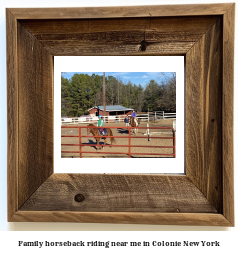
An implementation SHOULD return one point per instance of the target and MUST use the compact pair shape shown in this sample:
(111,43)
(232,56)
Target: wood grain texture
(189,26)
(120,11)
(119,36)
(227,113)
(204,115)
(117,193)
(12,116)
(72,48)
(204,196)
(35,133)
(192,219)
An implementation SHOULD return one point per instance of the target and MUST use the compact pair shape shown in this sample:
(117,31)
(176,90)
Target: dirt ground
(121,131)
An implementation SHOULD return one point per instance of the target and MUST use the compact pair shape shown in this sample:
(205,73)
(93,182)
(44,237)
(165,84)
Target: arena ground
(123,132)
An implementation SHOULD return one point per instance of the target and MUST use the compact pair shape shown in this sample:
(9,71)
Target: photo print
(129,114)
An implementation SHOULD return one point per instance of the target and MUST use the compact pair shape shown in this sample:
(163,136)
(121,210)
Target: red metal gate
(129,144)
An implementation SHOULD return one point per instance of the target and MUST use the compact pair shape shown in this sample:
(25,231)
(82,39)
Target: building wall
(94,110)
(101,112)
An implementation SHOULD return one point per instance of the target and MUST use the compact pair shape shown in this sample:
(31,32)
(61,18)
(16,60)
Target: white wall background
(4,226)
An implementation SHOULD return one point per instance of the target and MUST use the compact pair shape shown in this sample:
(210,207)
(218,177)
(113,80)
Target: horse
(95,132)
(134,123)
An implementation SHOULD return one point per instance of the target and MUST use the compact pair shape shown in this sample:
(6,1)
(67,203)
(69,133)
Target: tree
(98,89)
(66,99)
(138,97)
(168,87)
(111,87)
(151,96)
(83,93)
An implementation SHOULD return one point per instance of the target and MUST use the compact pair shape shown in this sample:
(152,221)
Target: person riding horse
(100,123)
(134,116)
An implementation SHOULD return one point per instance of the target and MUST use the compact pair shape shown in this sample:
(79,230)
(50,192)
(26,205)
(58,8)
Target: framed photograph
(203,194)
(139,87)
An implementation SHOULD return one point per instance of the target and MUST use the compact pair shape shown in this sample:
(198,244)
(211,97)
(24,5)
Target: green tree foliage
(137,97)
(66,99)
(152,95)
(98,88)
(79,94)
(111,89)
(82,92)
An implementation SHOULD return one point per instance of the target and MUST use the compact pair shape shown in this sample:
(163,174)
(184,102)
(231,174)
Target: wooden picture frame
(204,34)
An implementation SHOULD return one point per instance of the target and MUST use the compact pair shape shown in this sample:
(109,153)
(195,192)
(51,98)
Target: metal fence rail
(129,153)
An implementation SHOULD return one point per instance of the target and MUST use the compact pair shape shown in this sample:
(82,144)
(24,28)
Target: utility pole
(148,114)
(104,97)
(118,92)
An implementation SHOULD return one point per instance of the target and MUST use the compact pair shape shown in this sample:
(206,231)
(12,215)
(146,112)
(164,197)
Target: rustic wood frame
(202,33)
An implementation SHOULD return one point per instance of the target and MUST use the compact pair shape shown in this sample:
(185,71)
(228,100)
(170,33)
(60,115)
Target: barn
(111,110)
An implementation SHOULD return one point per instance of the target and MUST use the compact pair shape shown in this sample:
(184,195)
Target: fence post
(163,115)
(148,131)
(80,147)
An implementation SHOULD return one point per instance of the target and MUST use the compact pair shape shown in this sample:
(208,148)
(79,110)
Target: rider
(100,123)
(134,116)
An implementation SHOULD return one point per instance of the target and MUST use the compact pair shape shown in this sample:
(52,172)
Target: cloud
(126,77)
(118,73)
(65,73)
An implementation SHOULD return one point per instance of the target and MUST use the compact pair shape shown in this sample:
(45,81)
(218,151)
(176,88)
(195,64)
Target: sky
(137,78)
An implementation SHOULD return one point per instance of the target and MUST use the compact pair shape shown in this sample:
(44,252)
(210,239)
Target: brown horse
(134,123)
(95,132)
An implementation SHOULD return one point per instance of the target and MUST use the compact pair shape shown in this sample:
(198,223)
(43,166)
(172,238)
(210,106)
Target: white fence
(120,118)
(163,115)
(94,119)
(78,120)
(153,116)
